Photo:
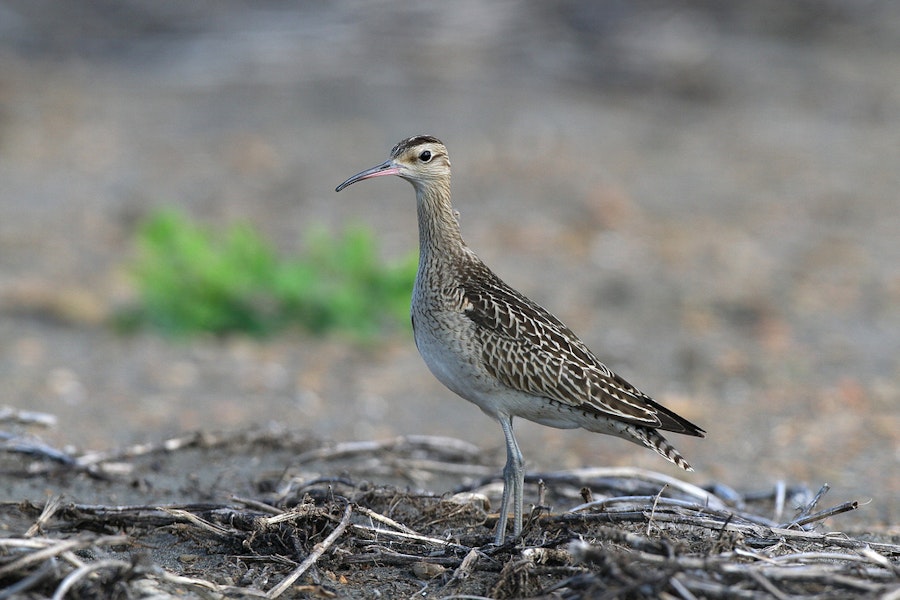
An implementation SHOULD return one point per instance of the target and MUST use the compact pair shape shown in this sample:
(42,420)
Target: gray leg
(513,481)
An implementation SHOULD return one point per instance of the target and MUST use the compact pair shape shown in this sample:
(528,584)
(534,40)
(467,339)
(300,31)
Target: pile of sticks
(611,532)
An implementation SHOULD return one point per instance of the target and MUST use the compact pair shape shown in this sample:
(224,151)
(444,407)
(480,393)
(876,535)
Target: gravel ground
(707,195)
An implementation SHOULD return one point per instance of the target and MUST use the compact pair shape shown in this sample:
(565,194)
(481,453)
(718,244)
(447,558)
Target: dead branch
(9,414)
(84,571)
(637,533)
(55,548)
(317,551)
(440,446)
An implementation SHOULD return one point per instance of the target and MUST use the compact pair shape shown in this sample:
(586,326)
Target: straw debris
(272,514)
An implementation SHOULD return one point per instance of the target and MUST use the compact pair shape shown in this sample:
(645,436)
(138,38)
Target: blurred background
(706,192)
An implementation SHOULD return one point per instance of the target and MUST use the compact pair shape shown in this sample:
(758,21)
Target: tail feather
(656,442)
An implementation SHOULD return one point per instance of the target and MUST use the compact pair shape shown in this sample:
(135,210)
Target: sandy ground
(708,196)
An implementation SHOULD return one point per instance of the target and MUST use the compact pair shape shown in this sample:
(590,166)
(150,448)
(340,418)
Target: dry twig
(701,544)
(317,551)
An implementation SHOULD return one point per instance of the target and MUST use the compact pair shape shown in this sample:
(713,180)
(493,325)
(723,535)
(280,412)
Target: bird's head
(422,160)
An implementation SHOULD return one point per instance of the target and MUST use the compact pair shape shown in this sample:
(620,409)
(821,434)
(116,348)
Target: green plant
(191,279)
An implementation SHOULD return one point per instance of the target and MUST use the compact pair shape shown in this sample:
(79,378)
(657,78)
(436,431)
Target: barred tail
(656,442)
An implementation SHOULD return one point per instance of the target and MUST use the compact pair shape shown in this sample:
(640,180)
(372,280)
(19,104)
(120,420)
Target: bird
(496,348)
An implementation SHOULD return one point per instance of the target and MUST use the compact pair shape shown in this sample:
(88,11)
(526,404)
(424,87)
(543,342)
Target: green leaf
(193,279)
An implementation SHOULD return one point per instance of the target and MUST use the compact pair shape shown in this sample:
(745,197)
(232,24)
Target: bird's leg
(513,481)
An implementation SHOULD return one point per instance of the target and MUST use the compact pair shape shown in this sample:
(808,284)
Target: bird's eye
(425,156)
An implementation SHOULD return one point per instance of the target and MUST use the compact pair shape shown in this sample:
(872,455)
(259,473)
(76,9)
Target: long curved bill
(386,168)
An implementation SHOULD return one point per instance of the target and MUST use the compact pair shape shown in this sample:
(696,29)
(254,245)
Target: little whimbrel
(496,348)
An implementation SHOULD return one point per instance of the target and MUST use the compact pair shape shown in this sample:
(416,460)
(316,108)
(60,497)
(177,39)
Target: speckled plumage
(496,348)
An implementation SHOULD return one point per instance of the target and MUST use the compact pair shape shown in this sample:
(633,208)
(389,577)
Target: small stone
(426,570)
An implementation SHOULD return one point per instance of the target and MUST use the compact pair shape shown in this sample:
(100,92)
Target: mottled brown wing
(530,350)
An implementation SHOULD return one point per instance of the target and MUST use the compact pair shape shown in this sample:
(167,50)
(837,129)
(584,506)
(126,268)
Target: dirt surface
(267,513)
(707,194)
